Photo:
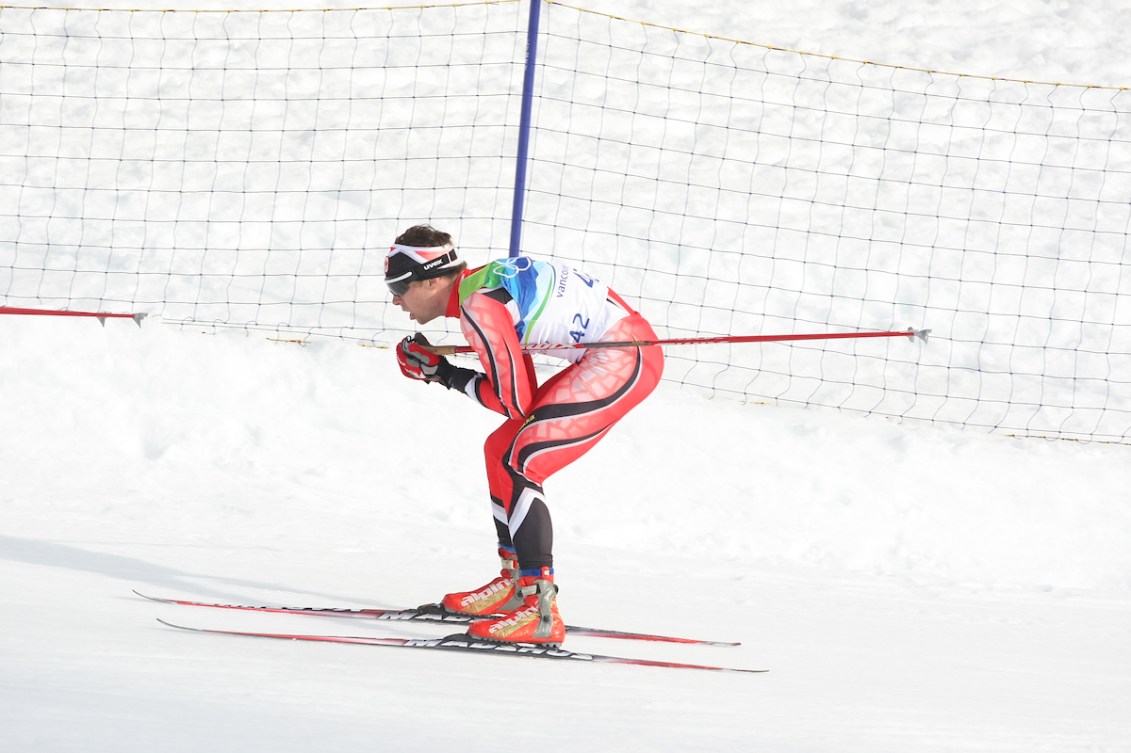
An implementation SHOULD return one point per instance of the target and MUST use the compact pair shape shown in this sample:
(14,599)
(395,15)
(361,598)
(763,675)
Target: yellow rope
(260,10)
(580,9)
(832,57)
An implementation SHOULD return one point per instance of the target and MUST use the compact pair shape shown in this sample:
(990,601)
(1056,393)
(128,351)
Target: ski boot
(535,620)
(493,598)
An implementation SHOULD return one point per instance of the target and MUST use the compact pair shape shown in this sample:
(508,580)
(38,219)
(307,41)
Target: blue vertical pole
(524,126)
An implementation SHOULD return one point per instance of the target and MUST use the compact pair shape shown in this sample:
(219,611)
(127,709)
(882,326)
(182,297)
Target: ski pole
(99,315)
(447,350)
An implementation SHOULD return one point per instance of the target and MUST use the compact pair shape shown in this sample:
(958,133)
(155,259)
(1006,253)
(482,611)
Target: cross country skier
(501,307)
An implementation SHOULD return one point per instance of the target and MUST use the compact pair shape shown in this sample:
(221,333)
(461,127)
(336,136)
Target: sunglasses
(399,287)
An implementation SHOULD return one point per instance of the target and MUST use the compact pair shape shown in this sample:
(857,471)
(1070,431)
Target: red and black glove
(418,362)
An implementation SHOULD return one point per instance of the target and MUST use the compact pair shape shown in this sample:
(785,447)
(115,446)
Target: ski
(433,613)
(466,643)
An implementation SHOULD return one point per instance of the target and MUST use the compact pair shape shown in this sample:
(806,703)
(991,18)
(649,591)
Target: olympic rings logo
(510,268)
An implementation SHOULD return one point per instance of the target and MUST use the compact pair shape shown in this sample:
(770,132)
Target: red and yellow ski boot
(536,620)
(494,598)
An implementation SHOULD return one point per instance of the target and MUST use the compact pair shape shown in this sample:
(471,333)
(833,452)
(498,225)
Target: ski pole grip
(446,350)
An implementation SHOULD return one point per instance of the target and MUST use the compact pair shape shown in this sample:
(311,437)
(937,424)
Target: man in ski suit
(503,307)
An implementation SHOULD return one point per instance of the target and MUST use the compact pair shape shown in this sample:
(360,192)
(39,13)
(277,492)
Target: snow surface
(910,587)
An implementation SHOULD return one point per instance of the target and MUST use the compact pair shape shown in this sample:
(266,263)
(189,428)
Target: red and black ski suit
(547,426)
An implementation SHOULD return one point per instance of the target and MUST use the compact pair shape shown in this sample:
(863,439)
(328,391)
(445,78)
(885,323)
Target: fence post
(524,126)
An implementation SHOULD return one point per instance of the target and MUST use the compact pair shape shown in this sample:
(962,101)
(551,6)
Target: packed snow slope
(910,587)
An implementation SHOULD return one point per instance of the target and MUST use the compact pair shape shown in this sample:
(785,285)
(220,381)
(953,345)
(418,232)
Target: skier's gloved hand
(418,362)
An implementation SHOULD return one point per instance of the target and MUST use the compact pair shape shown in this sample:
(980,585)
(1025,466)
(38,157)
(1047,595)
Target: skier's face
(424,300)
